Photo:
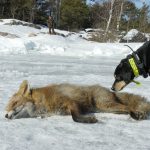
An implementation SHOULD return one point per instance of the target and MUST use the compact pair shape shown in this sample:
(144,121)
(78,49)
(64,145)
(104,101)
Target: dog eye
(118,78)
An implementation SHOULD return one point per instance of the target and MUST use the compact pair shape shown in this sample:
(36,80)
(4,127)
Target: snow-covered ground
(45,59)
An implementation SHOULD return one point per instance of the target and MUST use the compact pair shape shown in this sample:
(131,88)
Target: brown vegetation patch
(8,35)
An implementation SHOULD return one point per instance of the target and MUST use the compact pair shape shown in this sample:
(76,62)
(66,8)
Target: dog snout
(112,88)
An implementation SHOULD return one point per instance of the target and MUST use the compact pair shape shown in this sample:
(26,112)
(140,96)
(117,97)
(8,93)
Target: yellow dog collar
(136,82)
(134,67)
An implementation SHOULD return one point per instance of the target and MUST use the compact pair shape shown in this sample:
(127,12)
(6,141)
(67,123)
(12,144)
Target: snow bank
(64,44)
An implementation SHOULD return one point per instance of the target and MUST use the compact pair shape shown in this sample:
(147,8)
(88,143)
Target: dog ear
(24,88)
(121,64)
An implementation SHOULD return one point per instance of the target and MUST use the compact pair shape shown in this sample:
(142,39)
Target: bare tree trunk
(31,15)
(32,11)
(110,17)
(58,12)
(144,24)
(128,28)
(3,11)
(23,15)
(13,12)
(119,17)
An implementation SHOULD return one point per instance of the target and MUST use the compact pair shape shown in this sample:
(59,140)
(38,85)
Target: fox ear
(24,88)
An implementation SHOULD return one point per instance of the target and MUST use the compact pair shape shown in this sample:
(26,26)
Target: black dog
(134,65)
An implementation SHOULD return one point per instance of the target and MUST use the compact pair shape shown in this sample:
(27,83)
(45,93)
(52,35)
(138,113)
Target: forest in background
(74,15)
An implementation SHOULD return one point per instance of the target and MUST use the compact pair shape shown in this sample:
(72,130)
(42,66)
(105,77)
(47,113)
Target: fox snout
(6,116)
(10,115)
(23,111)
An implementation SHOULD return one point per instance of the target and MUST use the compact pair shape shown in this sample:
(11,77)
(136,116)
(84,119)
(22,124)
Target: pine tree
(143,17)
(74,14)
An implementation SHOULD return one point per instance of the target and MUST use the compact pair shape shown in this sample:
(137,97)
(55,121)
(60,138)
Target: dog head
(20,104)
(123,75)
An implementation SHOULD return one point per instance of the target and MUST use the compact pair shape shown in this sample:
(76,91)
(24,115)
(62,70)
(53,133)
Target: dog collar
(135,70)
(134,67)
(136,82)
(137,65)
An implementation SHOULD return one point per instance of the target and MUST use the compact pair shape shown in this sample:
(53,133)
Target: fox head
(21,104)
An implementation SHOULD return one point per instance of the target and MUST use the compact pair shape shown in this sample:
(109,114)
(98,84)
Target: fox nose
(6,116)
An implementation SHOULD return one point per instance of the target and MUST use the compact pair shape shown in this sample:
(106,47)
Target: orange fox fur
(75,100)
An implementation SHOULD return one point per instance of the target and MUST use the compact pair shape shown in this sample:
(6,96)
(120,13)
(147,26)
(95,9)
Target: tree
(119,15)
(143,17)
(13,8)
(107,14)
(73,14)
(110,17)
(4,8)
(98,15)
(53,8)
(130,15)
(30,5)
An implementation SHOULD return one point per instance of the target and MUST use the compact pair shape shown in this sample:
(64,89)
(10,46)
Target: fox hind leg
(142,111)
(137,115)
(113,107)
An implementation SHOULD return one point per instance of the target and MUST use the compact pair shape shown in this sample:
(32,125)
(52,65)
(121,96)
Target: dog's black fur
(124,73)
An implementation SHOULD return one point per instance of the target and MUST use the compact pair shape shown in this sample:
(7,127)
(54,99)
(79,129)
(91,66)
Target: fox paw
(137,115)
(93,120)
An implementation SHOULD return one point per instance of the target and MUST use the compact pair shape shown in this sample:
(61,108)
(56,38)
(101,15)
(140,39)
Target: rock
(8,35)
(133,36)
(32,35)
(14,22)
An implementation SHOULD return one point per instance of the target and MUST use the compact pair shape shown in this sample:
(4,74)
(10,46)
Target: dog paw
(137,115)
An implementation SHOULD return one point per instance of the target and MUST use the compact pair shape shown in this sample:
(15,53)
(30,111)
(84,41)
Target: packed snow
(43,59)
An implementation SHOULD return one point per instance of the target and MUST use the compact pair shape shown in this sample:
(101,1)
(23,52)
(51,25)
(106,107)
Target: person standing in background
(51,23)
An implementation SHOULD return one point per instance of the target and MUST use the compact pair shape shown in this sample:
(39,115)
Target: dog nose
(6,116)
(112,88)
